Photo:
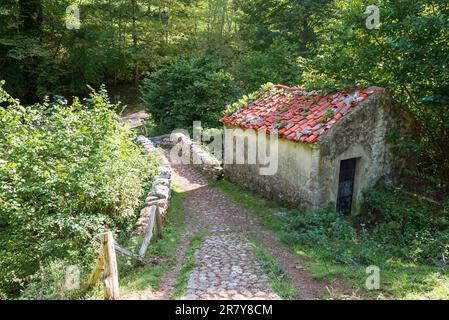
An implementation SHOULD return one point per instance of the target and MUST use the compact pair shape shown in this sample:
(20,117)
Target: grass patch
(265,209)
(278,279)
(395,242)
(134,279)
(189,263)
(398,280)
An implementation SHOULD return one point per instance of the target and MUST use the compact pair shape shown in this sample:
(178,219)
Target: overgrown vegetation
(320,43)
(276,64)
(410,232)
(140,282)
(407,238)
(117,41)
(67,172)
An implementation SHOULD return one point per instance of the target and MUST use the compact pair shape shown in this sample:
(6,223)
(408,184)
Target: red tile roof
(296,113)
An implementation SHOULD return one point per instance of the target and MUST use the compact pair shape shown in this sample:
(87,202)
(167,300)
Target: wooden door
(346,185)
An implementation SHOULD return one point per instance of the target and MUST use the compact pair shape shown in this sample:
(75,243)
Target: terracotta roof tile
(296,113)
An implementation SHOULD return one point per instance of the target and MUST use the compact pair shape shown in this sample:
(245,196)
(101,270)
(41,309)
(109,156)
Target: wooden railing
(107,262)
(155,216)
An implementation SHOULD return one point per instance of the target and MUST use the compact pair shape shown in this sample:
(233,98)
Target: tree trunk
(134,21)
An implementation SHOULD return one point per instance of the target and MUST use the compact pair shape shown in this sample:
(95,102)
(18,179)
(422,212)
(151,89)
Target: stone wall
(363,134)
(160,190)
(161,141)
(198,157)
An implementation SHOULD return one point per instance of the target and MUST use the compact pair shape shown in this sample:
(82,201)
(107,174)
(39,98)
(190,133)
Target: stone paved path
(226,269)
(225,266)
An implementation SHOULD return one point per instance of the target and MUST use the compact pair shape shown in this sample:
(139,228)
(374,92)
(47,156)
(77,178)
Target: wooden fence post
(97,271)
(158,222)
(110,274)
(148,232)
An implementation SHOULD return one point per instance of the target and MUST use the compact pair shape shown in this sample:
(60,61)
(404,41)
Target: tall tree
(408,54)
(292,20)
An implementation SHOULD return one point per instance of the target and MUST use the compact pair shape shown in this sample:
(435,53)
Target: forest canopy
(321,43)
(325,43)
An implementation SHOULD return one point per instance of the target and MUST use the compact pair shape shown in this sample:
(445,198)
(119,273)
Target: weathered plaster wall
(295,179)
(363,134)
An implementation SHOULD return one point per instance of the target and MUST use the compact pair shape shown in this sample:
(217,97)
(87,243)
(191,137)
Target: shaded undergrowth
(407,238)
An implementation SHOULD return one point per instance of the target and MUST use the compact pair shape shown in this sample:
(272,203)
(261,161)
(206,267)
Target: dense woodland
(309,43)
(189,59)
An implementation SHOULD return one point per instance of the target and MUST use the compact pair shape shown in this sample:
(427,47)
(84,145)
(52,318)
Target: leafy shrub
(191,89)
(276,64)
(242,103)
(67,172)
(317,227)
(401,227)
(48,283)
(407,226)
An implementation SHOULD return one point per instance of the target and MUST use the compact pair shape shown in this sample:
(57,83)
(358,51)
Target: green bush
(191,89)
(406,226)
(261,94)
(317,228)
(67,172)
(398,226)
(276,64)
(48,283)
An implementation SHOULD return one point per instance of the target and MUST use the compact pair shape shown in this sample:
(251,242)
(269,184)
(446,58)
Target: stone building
(331,146)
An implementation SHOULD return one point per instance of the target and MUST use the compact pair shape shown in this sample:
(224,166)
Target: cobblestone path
(225,267)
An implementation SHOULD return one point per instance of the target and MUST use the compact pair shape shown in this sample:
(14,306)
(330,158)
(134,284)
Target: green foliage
(242,103)
(65,168)
(294,21)
(117,41)
(276,64)
(400,227)
(67,172)
(144,281)
(191,89)
(328,115)
(407,55)
(318,228)
(48,283)
(408,227)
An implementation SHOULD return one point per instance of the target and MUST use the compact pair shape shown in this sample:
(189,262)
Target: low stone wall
(198,157)
(160,190)
(146,143)
(161,141)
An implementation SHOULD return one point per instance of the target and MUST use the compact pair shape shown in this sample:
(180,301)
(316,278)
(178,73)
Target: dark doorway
(346,185)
